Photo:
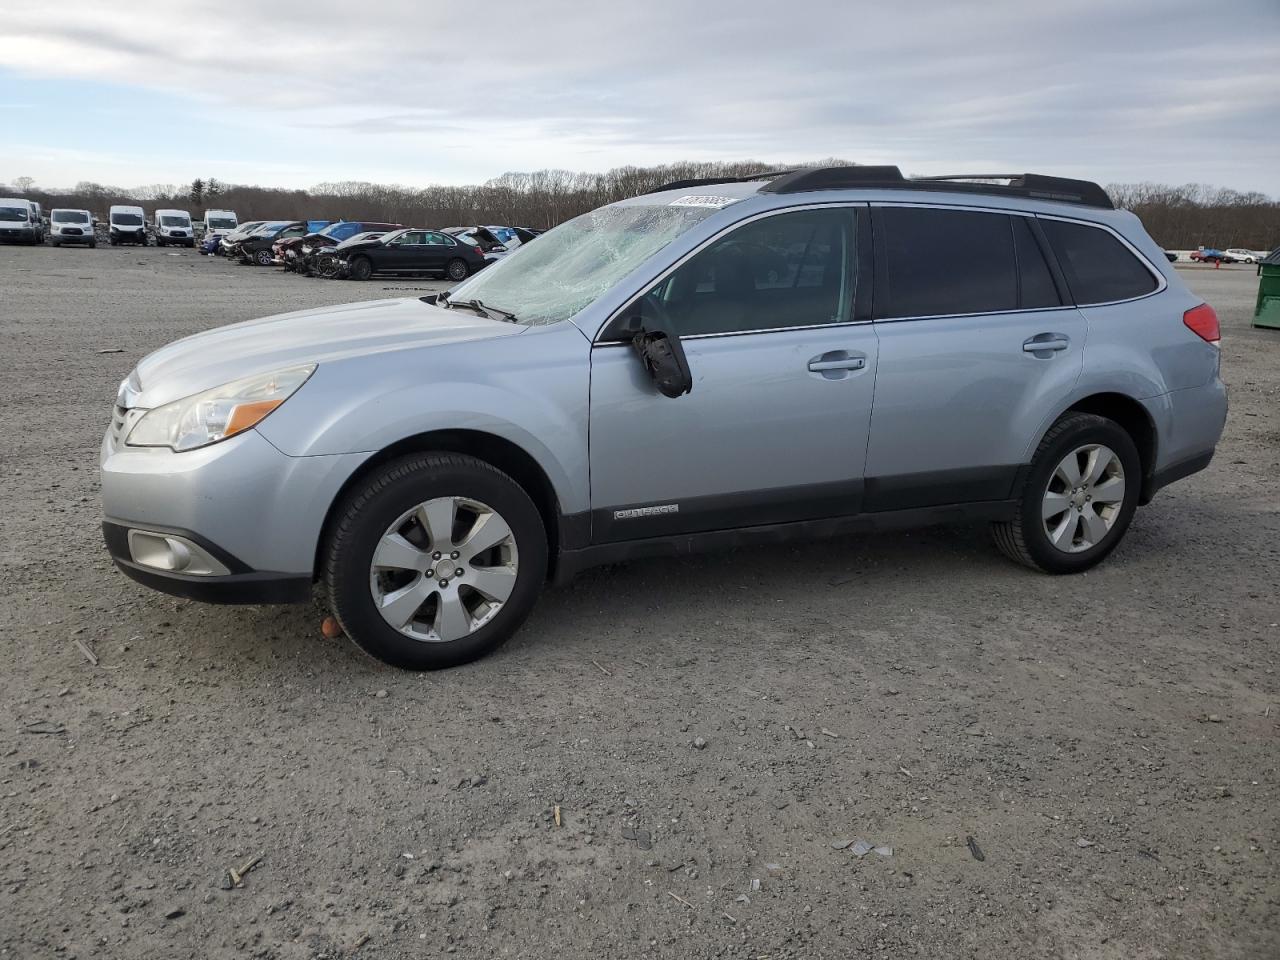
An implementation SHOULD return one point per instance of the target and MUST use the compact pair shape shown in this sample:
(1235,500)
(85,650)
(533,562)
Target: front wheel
(262,258)
(361,269)
(1078,498)
(434,560)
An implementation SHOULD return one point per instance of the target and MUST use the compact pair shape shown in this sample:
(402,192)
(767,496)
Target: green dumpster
(1267,313)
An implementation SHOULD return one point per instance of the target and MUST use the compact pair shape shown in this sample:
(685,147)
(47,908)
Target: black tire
(56,243)
(457,269)
(361,269)
(1024,538)
(112,241)
(93,244)
(262,258)
(366,512)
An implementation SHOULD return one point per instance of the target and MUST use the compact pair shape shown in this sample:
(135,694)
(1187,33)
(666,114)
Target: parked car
(71,226)
(297,251)
(1244,256)
(174,227)
(18,221)
(232,243)
(126,224)
(1211,255)
(745,365)
(257,248)
(233,237)
(412,251)
(327,262)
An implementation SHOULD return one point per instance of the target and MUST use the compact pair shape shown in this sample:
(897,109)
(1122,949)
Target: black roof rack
(1034,185)
(708,181)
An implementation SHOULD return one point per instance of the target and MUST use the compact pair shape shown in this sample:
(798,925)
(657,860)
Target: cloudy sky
(418,91)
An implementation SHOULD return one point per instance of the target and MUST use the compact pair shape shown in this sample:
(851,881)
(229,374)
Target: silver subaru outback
(714,363)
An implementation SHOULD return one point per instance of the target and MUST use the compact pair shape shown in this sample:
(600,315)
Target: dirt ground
(1109,741)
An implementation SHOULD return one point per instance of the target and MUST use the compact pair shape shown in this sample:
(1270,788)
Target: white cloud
(1109,90)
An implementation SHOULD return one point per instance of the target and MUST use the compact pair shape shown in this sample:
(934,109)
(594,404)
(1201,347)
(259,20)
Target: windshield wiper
(484,311)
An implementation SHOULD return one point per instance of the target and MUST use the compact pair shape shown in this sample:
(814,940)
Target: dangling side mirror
(664,361)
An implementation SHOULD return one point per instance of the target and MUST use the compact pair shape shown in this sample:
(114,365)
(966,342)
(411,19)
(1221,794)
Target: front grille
(72,232)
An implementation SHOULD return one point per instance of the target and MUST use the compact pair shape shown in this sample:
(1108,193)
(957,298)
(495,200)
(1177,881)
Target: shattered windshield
(574,264)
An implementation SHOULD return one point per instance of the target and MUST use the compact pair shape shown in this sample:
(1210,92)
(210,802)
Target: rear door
(436,251)
(978,345)
(783,367)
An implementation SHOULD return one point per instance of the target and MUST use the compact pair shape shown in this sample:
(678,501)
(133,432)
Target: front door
(979,348)
(775,428)
(405,253)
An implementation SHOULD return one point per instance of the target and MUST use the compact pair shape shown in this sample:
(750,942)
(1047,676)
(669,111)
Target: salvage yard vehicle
(71,226)
(412,251)
(1244,256)
(715,363)
(297,252)
(126,224)
(18,222)
(174,227)
(233,237)
(326,262)
(233,242)
(257,247)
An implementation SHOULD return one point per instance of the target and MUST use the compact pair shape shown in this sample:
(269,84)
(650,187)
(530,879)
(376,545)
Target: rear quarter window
(1099,268)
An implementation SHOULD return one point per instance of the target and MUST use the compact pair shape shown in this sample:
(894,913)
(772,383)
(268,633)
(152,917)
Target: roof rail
(1034,185)
(708,181)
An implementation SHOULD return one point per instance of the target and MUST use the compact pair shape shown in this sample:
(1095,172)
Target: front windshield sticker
(693,200)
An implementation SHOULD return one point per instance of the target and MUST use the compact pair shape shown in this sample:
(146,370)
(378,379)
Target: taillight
(1203,322)
(479,251)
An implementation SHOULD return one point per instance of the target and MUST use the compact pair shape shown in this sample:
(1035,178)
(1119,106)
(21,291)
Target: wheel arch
(497,451)
(1136,421)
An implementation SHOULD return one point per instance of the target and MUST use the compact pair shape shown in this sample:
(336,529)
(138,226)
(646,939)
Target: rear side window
(942,262)
(1099,267)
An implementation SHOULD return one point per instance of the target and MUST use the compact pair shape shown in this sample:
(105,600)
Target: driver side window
(788,270)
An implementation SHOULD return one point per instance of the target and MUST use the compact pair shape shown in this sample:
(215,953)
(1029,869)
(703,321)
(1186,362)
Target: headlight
(216,414)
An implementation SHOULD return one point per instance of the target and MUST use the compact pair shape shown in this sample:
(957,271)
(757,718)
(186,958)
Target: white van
(174,226)
(220,222)
(127,225)
(16,221)
(71,226)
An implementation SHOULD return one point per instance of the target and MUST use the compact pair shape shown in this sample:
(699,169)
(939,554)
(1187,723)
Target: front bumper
(18,233)
(256,512)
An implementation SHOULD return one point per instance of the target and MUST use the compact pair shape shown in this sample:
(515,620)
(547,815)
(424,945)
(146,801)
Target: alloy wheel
(443,569)
(1084,498)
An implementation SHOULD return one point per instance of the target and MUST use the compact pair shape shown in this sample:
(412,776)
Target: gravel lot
(1108,740)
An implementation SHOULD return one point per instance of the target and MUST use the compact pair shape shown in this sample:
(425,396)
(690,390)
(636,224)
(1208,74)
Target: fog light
(166,551)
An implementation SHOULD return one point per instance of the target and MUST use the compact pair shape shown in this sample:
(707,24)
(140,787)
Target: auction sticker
(697,200)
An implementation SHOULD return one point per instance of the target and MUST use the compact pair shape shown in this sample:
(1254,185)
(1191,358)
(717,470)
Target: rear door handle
(1046,343)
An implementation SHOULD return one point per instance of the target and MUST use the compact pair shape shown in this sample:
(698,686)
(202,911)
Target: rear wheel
(361,268)
(457,270)
(434,560)
(1078,498)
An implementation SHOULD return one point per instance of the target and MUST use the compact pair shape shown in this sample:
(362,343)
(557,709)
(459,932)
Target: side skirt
(573,561)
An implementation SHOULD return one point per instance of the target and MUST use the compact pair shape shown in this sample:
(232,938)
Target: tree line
(1178,217)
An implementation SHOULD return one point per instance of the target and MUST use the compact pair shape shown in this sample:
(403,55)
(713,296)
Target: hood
(228,353)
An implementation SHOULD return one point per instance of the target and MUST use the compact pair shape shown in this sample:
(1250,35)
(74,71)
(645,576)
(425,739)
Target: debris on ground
(330,628)
(43,726)
(860,848)
(975,849)
(88,654)
(699,743)
(643,839)
(1082,842)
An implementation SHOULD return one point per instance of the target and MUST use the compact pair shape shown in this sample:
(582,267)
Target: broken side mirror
(663,358)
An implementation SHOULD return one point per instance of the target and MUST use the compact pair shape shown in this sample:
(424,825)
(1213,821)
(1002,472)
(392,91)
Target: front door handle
(1043,344)
(829,362)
